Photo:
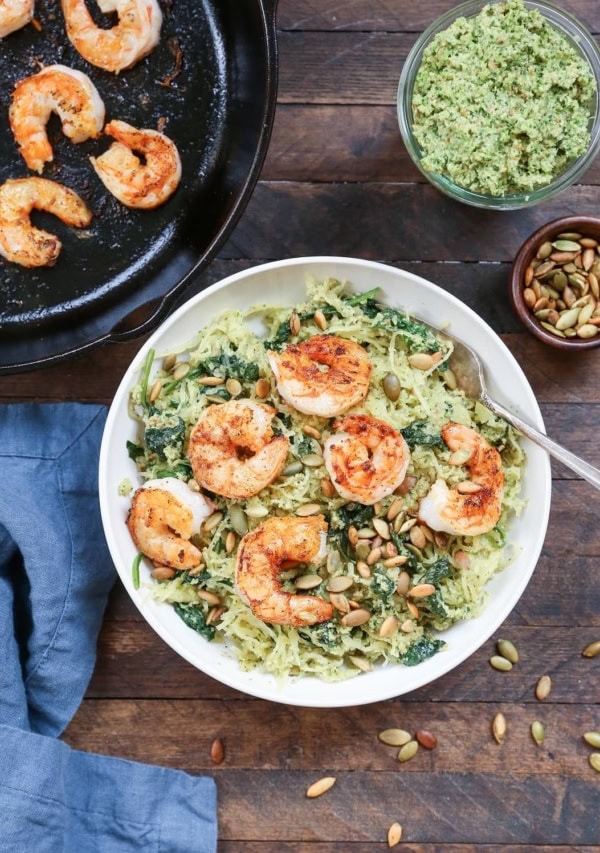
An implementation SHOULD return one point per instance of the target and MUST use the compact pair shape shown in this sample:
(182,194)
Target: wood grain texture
(355,143)
(135,663)
(392,15)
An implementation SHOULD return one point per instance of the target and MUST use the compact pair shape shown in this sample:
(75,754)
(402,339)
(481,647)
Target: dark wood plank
(350,743)
(345,143)
(395,222)
(400,15)
(133,662)
(341,68)
(364,847)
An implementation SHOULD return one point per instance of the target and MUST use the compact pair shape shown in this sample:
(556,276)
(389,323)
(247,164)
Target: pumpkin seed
(234,387)
(181,370)
(566,245)
(408,751)
(294,324)
(256,511)
(422,590)
(567,319)
(292,468)
(394,835)
(499,727)
(570,235)
(543,687)
(307,581)
(363,569)
(508,650)
(366,533)
(230,542)
(544,251)
(313,460)
(417,537)
(421,361)
(553,329)
(340,602)
(391,386)
(394,509)
(163,573)
(394,562)
(394,737)
(449,378)
(426,739)
(585,313)
(529,297)
(217,751)
(382,528)
(537,732)
(238,519)
(208,596)
(320,320)
(262,389)
(334,562)
(308,509)
(544,268)
(559,280)
(311,432)
(339,584)
(322,785)
(374,556)
(595,761)
(213,521)
(587,331)
(501,663)
(169,362)
(593,738)
(360,663)
(211,381)
(592,651)
(588,242)
(356,618)
(408,626)
(388,627)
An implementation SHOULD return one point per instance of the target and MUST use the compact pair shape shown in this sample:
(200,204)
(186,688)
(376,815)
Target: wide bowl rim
(422,677)
(521,261)
(590,50)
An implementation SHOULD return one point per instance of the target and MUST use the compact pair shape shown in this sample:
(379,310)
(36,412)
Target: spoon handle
(575,463)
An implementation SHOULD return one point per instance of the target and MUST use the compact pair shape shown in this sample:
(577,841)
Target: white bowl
(283,283)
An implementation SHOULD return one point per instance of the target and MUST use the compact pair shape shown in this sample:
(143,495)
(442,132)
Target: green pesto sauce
(502,101)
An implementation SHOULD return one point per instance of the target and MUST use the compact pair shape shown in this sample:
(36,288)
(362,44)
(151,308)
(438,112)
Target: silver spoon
(468,369)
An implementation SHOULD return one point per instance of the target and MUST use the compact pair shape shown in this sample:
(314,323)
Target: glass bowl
(580,39)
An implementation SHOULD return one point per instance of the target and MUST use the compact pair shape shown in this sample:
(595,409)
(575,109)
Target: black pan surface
(210,85)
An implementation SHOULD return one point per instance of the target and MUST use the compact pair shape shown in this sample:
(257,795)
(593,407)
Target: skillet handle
(270,8)
(139,321)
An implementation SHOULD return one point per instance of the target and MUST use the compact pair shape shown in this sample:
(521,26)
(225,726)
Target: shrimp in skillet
(324,375)
(22,243)
(260,556)
(233,451)
(14,14)
(164,514)
(474,507)
(135,184)
(121,46)
(56,89)
(366,458)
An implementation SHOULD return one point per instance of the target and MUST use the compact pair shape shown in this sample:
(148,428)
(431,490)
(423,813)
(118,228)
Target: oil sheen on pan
(182,88)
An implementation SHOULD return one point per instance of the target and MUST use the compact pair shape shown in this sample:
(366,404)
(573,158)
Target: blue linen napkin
(55,577)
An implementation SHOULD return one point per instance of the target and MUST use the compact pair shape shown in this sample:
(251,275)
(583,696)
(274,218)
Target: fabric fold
(55,577)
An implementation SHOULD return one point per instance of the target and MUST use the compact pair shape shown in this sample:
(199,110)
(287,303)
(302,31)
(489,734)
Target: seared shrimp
(120,47)
(20,242)
(163,515)
(123,174)
(259,562)
(323,375)
(233,451)
(366,458)
(56,89)
(474,507)
(14,14)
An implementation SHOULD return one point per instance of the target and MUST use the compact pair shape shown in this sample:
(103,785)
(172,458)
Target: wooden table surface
(338,181)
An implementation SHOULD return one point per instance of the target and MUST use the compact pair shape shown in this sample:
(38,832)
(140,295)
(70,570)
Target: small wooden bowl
(589,226)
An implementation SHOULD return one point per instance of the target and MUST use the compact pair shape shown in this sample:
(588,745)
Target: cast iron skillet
(211,84)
